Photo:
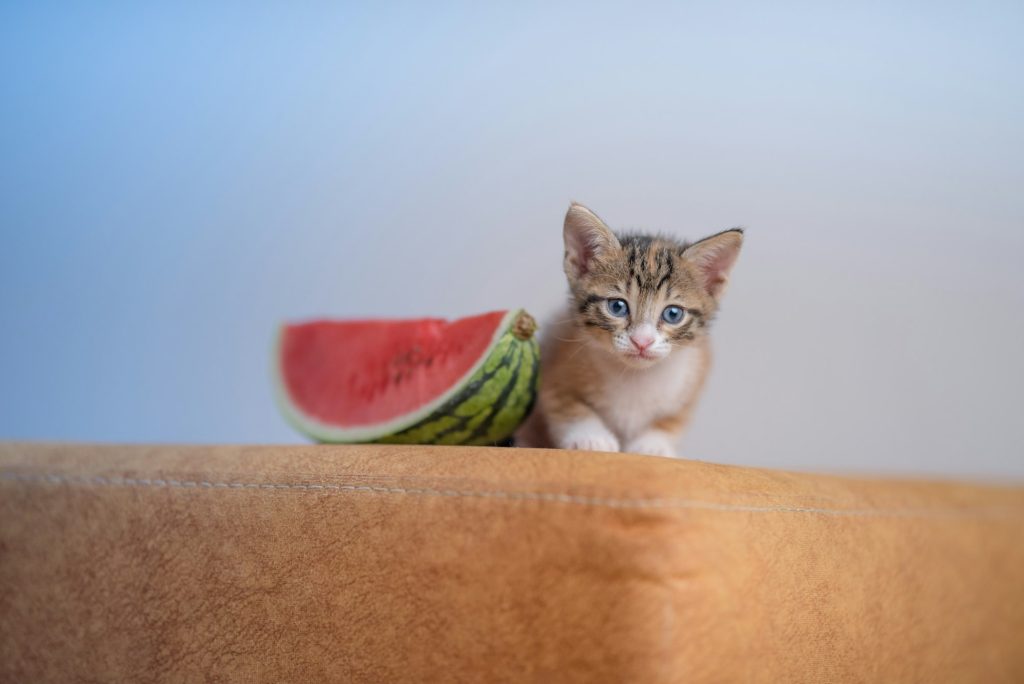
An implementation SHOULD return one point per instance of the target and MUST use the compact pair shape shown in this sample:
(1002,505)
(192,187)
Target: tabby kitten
(624,367)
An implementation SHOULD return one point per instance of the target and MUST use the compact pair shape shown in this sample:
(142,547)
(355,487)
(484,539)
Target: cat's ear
(586,238)
(714,257)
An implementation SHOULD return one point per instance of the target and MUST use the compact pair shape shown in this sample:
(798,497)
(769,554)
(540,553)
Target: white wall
(174,182)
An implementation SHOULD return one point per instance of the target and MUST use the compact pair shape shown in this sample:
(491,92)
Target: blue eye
(672,314)
(618,308)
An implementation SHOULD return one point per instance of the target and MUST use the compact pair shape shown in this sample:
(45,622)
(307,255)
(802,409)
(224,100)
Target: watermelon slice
(424,381)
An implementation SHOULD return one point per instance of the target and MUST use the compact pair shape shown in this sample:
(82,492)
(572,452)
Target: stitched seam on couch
(551,497)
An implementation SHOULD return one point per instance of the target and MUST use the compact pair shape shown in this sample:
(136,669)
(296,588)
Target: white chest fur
(633,398)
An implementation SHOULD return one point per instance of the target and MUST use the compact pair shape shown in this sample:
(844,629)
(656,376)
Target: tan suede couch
(419,564)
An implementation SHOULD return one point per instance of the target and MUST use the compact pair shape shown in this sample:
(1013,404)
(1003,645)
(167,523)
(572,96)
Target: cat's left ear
(714,257)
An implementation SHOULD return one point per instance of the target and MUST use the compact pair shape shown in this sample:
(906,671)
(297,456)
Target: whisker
(580,345)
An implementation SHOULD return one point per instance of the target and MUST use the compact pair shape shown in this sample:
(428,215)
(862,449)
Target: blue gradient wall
(176,180)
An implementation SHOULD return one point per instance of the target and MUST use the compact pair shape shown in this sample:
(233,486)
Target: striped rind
(489,408)
(484,407)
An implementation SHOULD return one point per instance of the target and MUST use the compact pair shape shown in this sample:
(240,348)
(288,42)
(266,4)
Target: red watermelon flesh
(362,373)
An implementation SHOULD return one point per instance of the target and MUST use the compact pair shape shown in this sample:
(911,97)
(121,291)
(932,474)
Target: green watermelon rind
(402,429)
(477,417)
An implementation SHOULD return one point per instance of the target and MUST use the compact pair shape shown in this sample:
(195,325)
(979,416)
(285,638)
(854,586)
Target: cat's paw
(652,444)
(590,440)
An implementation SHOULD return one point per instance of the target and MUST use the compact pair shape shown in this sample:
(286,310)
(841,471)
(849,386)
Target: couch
(374,563)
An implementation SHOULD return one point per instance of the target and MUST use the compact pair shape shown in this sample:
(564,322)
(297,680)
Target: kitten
(624,368)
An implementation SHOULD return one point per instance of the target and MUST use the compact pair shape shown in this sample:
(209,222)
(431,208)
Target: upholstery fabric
(417,564)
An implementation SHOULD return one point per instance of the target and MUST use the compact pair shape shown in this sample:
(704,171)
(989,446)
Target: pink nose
(641,342)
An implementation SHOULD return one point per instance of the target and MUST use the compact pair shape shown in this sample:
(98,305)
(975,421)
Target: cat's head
(639,296)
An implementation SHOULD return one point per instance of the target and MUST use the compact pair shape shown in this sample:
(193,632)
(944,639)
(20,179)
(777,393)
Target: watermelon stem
(525,326)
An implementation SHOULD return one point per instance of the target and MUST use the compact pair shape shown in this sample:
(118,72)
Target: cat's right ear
(586,238)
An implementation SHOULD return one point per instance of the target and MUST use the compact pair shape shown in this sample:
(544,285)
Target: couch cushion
(383,563)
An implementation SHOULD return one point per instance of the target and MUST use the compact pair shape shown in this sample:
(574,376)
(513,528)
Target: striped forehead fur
(651,258)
